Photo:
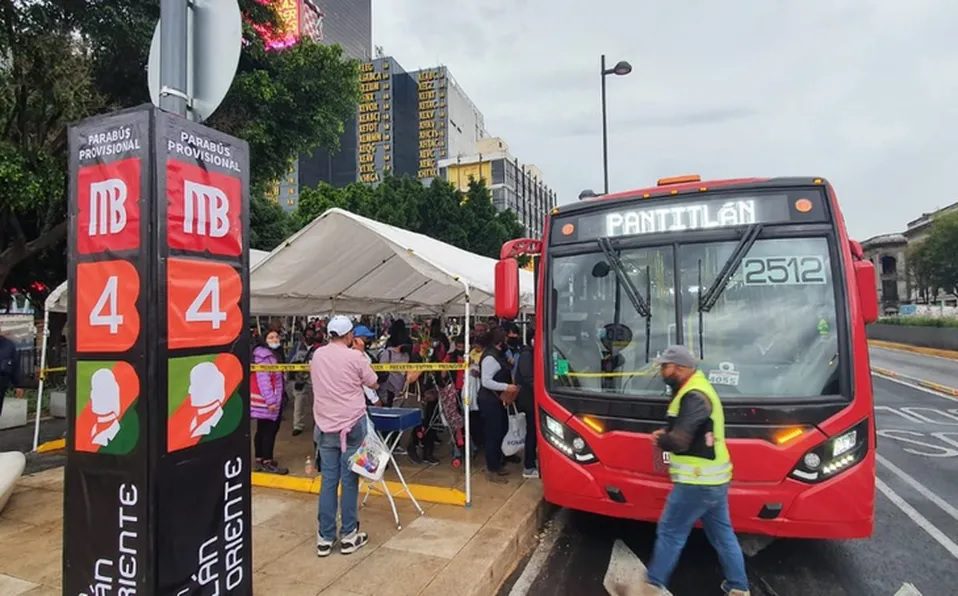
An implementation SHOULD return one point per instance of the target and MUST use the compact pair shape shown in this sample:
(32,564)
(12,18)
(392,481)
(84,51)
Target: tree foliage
(933,261)
(466,220)
(64,60)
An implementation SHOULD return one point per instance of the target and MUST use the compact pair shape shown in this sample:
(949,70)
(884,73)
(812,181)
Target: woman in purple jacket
(266,403)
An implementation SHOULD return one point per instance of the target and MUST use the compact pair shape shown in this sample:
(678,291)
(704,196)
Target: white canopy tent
(57,302)
(347,263)
(342,262)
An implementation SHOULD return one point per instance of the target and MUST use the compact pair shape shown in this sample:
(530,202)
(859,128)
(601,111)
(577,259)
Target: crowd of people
(499,364)
(341,384)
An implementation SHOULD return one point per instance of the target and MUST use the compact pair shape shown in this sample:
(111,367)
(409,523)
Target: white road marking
(920,520)
(626,571)
(913,386)
(907,589)
(541,555)
(921,488)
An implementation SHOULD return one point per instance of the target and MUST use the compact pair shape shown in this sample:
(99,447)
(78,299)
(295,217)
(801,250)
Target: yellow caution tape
(405,367)
(56,369)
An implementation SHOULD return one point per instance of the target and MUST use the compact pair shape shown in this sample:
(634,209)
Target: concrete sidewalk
(451,550)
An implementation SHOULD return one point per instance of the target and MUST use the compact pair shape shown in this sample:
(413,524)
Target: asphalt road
(916,522)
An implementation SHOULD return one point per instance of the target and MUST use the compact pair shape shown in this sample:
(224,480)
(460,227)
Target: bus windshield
(771,333)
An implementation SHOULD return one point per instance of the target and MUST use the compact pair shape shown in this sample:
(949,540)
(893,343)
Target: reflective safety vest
(707,461)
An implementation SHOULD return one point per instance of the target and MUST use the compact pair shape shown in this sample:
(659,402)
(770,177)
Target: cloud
(861,93)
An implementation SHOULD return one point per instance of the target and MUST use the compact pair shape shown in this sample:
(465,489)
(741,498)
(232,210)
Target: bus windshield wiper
(711,296)
(708,299)
(641,305)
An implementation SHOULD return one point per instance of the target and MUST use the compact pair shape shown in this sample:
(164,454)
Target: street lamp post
(621,68)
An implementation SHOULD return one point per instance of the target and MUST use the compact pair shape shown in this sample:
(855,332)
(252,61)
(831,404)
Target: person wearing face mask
(513,346)
(701,471)
(266,402)
(496,391)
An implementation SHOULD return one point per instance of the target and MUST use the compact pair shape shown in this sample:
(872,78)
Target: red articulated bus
(759,279)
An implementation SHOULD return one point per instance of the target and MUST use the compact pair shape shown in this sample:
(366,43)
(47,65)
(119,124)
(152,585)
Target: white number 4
(107,302)
(214,316)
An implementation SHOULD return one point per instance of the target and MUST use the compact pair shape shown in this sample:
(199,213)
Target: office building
(347,23)
(388,127)
(513,185)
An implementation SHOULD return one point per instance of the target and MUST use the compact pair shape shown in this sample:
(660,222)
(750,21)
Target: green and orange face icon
(106,421)
(204,404)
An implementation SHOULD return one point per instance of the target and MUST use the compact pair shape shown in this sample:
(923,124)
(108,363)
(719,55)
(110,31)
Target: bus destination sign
(680,215)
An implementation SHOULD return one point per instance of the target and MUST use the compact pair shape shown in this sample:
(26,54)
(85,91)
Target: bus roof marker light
(703,189)
(787,435)
(803,205)
(679,179)
(818,181)
(594,424)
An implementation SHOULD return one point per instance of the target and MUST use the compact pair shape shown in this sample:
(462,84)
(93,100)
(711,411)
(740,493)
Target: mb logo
(205,210)
(107,207)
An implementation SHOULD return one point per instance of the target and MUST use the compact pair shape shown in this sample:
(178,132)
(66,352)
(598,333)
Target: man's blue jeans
(334,467)
(686,504)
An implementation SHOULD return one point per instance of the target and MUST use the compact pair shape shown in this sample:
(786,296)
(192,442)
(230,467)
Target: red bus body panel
(839,508)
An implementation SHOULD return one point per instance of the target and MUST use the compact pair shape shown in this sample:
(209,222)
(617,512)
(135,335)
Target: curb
(54,445)
(484,564)
(945,389)
(422,492)
(890,345)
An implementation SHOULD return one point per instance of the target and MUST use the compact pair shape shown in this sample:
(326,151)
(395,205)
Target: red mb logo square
(108,207)
(203,210)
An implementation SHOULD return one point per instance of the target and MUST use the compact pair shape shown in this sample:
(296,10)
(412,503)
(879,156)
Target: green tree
(269,225)
(466,220)
(920,268)
(64,60)
(937,254)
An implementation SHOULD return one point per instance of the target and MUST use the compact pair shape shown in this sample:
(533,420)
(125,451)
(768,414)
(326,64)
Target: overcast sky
(862,92)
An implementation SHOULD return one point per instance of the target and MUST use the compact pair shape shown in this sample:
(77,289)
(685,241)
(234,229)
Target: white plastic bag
(371,458)
(515,439)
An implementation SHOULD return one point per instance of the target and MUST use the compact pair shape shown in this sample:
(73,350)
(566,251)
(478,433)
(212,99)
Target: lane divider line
(915,382)
(921,488)
(920,520)
(935,352)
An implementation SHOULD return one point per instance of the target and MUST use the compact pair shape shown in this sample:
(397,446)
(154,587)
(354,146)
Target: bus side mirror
(867,290)
(507,288)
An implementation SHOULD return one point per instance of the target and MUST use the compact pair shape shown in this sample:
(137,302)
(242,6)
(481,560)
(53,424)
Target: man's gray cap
(677,355)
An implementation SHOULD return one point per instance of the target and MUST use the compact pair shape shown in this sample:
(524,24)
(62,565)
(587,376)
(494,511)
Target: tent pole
(43,367)
(466,402)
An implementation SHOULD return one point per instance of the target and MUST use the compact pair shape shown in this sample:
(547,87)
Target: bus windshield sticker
(562,367)
(792,270)
(724,375)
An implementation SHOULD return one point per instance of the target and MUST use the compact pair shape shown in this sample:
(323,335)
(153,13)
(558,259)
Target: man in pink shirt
(339,374)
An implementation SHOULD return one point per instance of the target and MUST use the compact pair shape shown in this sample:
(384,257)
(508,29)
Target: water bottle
(310,469)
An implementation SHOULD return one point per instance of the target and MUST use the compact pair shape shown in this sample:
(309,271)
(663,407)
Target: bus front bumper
(839,508)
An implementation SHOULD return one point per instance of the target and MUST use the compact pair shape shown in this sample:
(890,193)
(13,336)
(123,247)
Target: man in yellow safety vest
(701,471)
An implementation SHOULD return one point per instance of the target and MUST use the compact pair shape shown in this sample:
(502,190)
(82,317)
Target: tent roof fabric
(342,262)
(57,300)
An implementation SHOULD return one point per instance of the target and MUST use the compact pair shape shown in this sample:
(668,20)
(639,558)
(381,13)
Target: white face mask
(273,345)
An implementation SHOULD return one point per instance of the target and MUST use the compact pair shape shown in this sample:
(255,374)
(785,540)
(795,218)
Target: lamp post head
(622,68)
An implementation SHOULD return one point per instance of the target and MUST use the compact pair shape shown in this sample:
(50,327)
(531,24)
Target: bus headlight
(835,455)
(565,440)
